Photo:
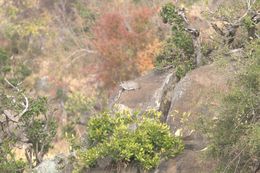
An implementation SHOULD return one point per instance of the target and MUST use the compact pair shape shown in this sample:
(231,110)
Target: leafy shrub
(8,65)
(32,126)
(39,127)
(171,55)
(127,138)
(170,15)
(3,57)
(77,106)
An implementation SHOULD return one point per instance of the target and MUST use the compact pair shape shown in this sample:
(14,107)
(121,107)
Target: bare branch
(249,7)
(9,83)
(195,36)
(25,98)
(217,29)
(79,56)
(181,13)
(81,50)
(9,116)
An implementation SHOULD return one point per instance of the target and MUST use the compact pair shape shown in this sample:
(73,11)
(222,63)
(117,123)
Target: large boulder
(196,95)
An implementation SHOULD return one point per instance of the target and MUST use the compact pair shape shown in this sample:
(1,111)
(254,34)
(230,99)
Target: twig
(237,164)
(25,98)
(249,6)
(76,52)
(228,165)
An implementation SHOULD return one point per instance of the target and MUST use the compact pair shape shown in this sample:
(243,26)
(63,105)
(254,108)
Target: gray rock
(129,85)
(47,166)
(42,84)
(59,164)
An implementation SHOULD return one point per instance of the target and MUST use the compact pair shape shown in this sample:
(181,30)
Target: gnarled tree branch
(25,98)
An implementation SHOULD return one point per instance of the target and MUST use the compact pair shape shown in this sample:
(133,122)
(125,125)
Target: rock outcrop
(195,95)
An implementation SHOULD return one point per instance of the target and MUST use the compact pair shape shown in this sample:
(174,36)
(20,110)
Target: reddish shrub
(118,38)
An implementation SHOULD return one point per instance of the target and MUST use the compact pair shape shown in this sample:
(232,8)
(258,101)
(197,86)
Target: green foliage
(4,62)
(234,136)
(172,55)
(24,71)
(170,15)
(61,94)
(10,66)
(183,41)
(3,57)
(178,50)
(8,162)
(129,138)
(78,104)
(248,23)
(34,127)
(39,128)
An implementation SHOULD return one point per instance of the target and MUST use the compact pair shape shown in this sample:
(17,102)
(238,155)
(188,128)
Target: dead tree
(229,31)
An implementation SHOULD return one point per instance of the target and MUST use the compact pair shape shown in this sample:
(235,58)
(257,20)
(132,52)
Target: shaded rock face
(197,93)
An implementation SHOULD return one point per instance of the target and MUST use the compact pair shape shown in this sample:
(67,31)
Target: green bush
(170,15)
(127,138)
(34,127)
(39,127)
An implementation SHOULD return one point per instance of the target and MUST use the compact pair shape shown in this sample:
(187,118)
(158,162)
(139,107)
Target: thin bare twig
(238,155)
(25,98)
(249,6)
(77,57)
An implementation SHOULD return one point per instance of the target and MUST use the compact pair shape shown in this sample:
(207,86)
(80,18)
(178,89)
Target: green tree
(23,120)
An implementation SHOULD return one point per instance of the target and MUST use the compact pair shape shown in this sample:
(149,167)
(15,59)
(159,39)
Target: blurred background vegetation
(65,58)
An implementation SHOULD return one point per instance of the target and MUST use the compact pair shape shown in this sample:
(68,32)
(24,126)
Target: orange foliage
(146,58)
(118,38)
